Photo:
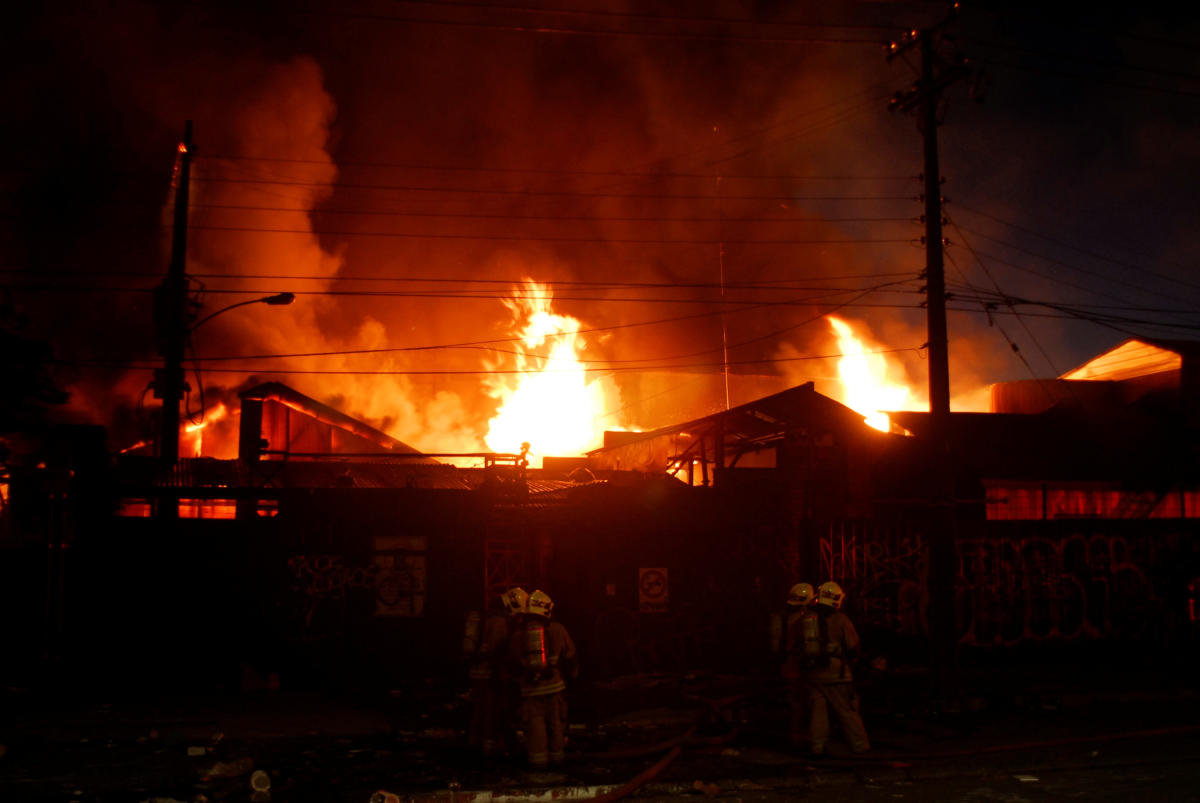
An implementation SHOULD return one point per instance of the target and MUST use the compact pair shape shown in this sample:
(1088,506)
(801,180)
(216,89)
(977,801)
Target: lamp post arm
(277,300)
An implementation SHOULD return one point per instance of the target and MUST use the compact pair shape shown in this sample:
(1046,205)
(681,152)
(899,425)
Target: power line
(1035,16)
(1077,59)
(1092,273)
(571,218)
(639,16)
(996,285)
(483,372)
(553,172)
(763,284)
(429,295)
(546,193)
(548,239)
(992,322)
(1093,78)
(561,30)
(1079,250)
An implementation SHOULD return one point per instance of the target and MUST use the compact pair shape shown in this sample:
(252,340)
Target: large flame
(550,404)
(193,432)
(865,379)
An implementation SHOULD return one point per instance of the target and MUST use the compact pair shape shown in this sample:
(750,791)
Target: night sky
(402,166)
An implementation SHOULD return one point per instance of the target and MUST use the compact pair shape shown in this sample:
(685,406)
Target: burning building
(328,546)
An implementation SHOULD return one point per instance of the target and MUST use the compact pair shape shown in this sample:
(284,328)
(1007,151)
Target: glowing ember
(866,387)
(553,407)
(193,433)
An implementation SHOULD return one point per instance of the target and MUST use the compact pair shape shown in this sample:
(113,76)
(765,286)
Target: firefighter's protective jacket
(841,644)
(561,660)
(492,644)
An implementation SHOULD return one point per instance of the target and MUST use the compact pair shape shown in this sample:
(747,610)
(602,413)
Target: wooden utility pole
(171,303)
(923,99)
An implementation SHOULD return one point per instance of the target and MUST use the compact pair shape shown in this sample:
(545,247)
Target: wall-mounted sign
(652,590)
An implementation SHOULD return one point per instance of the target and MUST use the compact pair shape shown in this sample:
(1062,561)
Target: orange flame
(551,404)
(193,433)
(865,379)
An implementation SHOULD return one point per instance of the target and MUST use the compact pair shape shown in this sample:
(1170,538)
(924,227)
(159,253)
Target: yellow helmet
(514,600)
(831,594)
(540,604)
(800,596)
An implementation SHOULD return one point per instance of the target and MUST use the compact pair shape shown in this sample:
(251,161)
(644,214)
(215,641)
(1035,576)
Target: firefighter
(543,653)
(484,648)
(830,681)
(795,666)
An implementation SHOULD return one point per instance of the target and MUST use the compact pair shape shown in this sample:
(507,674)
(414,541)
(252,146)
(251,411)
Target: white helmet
(540,604)
(514,600)
(800,596)
(831,594)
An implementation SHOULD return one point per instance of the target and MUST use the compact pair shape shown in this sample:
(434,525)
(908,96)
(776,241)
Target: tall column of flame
(866,387)
(551,405)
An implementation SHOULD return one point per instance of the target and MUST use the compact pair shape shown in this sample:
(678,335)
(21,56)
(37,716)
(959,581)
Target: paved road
(1136,746)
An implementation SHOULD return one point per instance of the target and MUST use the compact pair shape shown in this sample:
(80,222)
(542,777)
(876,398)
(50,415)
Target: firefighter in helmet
(799,611)
(542,653)
(484,648)
(798,599)
(834,647)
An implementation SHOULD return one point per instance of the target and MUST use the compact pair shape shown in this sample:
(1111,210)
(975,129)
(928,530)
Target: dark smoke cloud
(342,107)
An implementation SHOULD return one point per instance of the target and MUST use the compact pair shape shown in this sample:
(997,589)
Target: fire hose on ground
(677,744)
(674,746)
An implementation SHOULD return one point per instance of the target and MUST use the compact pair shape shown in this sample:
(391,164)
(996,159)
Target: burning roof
(1135,358)
(277,420)
(748,428)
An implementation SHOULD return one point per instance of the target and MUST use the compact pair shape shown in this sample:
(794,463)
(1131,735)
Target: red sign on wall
(652,590)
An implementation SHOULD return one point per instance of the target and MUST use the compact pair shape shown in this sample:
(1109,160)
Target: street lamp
(277,300)
(169,433)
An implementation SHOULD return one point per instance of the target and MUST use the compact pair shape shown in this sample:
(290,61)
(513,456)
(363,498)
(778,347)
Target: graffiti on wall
(394,579)
(883,568)
(1034,588)
(1017,587)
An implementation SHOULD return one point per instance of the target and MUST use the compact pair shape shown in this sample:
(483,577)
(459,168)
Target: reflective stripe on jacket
(560,655)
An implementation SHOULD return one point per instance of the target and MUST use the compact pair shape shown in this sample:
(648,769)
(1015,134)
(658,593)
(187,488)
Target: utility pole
(170,314)
(923,99)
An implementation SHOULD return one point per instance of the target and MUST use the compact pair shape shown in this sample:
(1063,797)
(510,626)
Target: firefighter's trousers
(840,698)
(798,699)
(487,718)
(545,721)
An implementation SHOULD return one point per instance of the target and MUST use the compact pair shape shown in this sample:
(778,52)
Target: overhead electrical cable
(657,175)
(544,29)
(773,283)
(477,344)
(1084,77)
(542,193)
(478,372)
(1095,274)
(606,13)
(1084,251)
(1011,343)
(550,239)
(481,295)
(996,285)
(571,218)
(1075,58)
